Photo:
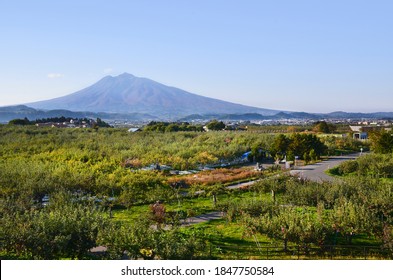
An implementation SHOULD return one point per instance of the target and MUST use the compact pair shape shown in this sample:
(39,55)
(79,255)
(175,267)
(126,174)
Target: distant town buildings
(73,123)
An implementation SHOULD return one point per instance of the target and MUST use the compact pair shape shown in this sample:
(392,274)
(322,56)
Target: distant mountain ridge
(346,115)
(291,116)
(21,111)
(129,94)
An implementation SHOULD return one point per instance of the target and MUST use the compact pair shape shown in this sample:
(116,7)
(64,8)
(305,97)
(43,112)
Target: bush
(348,167)
(335,171)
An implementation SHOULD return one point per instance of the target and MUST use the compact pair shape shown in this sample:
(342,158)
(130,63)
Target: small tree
(211,190)
(313,155)
(322,127)
(350,218)
(382,142)
(214,191)
(306,158)
(215,125)
(157,211)
(280,146)
(24,121)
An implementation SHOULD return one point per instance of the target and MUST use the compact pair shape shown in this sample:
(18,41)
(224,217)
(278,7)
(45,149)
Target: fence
(332,252)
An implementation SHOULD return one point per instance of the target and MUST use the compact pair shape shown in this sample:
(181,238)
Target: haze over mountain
(129,94)
(8,113)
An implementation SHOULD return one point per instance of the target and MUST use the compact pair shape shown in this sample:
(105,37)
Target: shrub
(348,167)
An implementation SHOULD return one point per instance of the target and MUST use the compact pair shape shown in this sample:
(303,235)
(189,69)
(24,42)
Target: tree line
(300,145)
(25,121)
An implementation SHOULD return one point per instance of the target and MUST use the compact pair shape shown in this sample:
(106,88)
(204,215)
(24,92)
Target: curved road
(316,172)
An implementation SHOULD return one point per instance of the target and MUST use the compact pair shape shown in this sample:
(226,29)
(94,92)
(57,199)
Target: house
(358,132)
(361,132)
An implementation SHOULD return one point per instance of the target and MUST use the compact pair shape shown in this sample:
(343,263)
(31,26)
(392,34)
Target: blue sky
(314,56)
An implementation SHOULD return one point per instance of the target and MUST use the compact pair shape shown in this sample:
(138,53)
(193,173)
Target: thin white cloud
(55,75)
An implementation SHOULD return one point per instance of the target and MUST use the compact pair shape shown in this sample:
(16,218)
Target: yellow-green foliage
(36,160)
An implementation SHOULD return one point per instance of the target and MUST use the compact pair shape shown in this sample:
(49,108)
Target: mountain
(129,94)
(126,97)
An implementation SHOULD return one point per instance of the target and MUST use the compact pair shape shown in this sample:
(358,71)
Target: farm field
(66,191)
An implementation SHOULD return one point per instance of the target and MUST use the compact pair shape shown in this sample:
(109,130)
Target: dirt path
(203,218)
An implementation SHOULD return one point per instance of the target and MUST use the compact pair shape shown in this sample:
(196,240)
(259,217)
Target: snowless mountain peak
(127,93)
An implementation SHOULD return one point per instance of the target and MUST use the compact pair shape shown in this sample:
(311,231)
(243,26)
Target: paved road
(316,172)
